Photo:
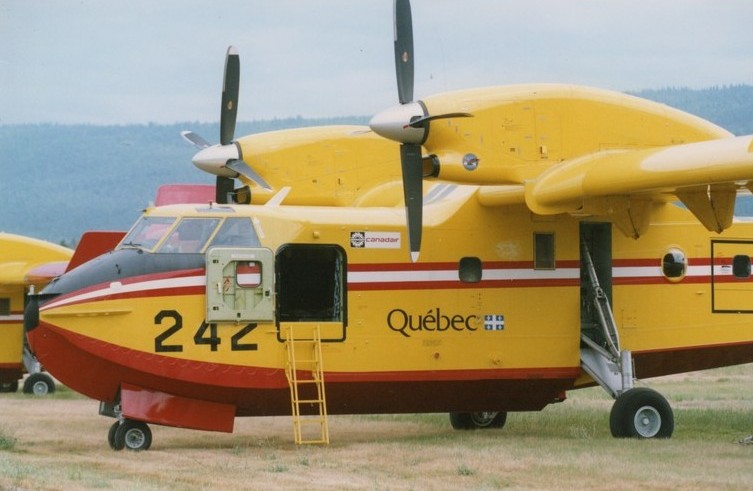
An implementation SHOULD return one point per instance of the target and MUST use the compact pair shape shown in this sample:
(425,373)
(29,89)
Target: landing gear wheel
(9,387)
(133,435)
(479,420)
(111,437)
(39,384)
(641,413)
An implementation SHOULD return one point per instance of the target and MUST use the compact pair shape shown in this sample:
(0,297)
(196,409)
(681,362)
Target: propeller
(408,124)
(225,160)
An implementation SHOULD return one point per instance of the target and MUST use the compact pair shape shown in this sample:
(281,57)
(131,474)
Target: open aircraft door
(731,280)
(311,286)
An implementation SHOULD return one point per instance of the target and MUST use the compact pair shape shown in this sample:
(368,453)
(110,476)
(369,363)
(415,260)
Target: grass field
(59,442)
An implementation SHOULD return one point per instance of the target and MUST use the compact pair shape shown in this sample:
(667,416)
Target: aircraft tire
(641,413)
(9,387)
(478,420)
(132,435)
(114,444)
(39,384)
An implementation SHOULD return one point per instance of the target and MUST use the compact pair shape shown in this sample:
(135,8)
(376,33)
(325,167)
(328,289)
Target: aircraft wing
(30,273)
(622,184)
(27,261)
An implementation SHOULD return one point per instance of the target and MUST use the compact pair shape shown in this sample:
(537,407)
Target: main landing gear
(474,421)
(130,434)
(638,412)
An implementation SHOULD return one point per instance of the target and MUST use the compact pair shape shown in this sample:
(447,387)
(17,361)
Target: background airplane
(27,264)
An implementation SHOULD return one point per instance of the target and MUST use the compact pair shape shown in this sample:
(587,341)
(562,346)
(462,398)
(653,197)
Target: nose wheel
(129,434)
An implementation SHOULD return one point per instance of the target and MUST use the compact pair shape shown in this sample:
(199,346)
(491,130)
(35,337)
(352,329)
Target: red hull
(208,396)
(262,392)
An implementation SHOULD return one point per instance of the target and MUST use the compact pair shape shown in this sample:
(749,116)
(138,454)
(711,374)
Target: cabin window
(311,283)
(248,274)
(4,306)
(469,270)
(236,232)
(543,250)
(674,264)
(147,232)
(741,266)
(190,235)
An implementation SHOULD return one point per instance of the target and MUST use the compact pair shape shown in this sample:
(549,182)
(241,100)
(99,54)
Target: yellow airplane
(26,264)
(568,237)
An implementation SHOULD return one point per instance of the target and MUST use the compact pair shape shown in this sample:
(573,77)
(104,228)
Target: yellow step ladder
(306,379)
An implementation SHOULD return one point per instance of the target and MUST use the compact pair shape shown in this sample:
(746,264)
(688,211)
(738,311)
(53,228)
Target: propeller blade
(230,88)
(412,166)
(245,170)
(403,50)
(224,190)
(195,139)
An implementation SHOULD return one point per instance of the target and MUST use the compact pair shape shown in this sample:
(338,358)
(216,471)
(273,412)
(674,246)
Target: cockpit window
(190,235)
(147,232)
(236,232)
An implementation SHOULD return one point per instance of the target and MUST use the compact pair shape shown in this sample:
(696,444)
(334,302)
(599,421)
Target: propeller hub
(394,123)
(215,158)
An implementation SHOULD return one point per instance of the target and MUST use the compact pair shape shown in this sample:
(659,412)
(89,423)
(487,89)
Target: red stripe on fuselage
(97,368)
(71,297)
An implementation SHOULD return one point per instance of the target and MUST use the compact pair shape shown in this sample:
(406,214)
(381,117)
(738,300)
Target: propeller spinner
(408,124)
(225,160)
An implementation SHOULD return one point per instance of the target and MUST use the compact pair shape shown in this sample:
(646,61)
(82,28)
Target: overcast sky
(140,61)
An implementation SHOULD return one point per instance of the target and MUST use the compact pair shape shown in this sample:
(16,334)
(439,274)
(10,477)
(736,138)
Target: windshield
(147,232)
(190,235)
(236,232)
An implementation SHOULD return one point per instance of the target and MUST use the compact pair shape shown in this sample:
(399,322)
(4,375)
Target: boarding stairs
(600,353)
(306,379)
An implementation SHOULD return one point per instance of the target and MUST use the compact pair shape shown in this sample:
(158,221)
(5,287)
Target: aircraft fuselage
(193,307)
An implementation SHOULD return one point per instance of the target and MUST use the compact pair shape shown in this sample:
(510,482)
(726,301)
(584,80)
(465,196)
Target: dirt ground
(59,442)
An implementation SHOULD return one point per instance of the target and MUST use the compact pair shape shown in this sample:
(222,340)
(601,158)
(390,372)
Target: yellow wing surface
(330,165)
(705,176)
(578,150)
(27,261)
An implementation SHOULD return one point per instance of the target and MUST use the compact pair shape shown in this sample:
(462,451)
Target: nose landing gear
(130,434)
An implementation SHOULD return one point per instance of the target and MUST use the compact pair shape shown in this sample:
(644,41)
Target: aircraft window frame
(741,266)
(198,239)
(544,251)
(224,237)
(143,234)
(675,270)
(470,269)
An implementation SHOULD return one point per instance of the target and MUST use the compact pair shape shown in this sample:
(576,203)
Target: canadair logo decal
(375,240)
